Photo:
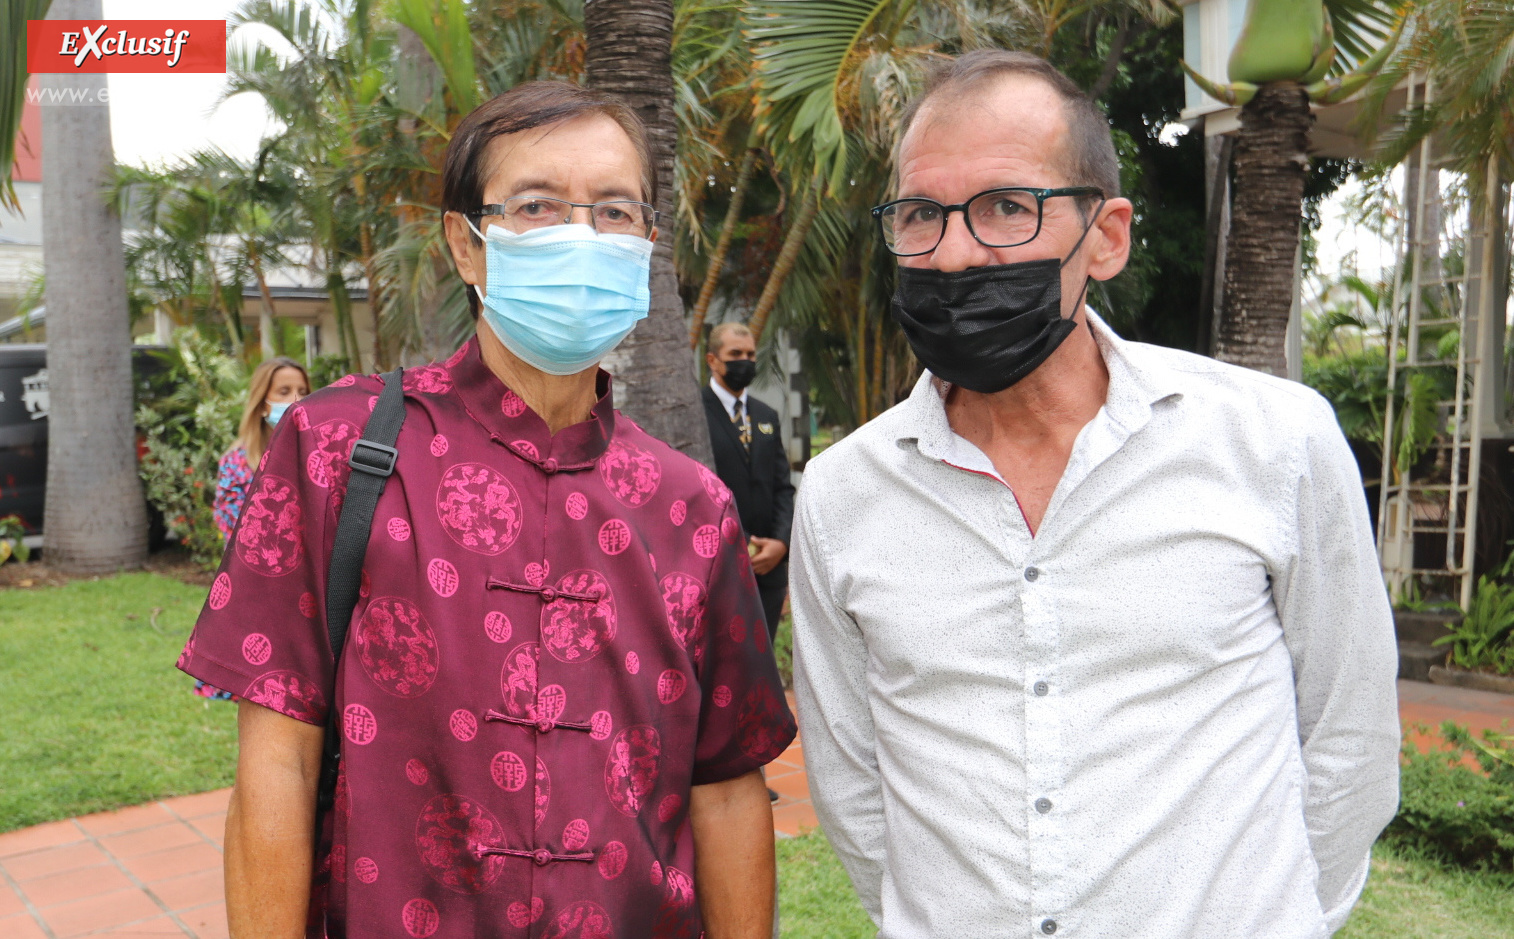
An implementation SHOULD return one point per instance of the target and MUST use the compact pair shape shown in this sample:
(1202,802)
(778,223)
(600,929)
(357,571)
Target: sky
(158,118)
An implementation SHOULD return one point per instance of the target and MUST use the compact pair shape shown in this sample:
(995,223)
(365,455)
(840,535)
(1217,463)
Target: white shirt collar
(727,400)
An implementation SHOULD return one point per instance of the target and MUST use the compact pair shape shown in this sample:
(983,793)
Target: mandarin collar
(512,424)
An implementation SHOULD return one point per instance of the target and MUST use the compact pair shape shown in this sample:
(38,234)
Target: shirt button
(541,856)
(1043,805)
(550,465)
(1031,573)
(1042,689)
(548,594)
(545,726)
(1048,926)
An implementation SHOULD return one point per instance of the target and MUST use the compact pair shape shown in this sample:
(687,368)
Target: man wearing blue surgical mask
(556,694)
(1090,638)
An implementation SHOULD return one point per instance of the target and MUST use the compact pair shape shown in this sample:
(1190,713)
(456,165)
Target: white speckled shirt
(1170,713)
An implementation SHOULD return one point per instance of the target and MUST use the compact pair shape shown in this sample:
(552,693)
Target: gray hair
(716,341)
(1090,158)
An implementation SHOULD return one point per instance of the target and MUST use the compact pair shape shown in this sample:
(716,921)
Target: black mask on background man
(984,328)
(739,373)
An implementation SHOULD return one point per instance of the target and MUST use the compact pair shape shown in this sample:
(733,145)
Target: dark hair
(1090,158)
(526,106)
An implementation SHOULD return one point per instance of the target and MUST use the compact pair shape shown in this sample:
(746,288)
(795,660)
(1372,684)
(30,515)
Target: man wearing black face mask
(750,459)
(1090,638)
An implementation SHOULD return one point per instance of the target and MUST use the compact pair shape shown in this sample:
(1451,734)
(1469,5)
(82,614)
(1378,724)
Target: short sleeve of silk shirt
(556,636)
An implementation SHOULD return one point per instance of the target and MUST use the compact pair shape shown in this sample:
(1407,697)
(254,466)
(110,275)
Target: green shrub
(189,420)
(1484,639)
(327,369)
(1447,808)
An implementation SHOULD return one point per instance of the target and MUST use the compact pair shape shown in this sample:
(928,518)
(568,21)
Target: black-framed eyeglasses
(997,218)
(525,213)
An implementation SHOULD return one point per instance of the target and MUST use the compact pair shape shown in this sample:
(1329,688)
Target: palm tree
(96,518)
(629,54)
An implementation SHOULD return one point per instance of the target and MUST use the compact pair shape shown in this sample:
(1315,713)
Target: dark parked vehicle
(23,425)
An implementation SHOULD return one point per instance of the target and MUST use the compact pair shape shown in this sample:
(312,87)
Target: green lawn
(95,714)
(95,717)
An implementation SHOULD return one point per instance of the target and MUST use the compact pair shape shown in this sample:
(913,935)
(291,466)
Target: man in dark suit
(750,459)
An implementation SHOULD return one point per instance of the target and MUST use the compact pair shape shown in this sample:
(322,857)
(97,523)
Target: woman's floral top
(231,489)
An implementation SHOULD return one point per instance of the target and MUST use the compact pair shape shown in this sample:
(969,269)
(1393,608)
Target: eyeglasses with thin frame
(997,218)
(525,213)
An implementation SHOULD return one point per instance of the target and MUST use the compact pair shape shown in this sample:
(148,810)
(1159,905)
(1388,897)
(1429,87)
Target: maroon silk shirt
(556,637)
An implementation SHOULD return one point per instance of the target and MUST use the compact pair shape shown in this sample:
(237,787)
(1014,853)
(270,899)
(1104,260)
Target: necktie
(743,425)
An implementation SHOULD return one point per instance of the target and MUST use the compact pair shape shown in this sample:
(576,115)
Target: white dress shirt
(1170,713)
(728,400)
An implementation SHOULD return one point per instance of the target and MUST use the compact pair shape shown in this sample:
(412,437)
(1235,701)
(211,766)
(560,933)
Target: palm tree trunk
(266,326)
(341,303)
(96,518)
(1270,162)
(629,54)
(723,244)
(788,255)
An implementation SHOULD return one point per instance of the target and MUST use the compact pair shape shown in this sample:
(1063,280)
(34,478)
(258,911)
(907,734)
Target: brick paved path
(155,870)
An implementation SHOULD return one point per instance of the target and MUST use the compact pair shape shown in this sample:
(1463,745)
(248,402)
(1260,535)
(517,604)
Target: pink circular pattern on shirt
(421,918)
(256,648)
(706,541)
(520,915)
(457,357)
(449,829)
(372,403)
(633,662)
(497,626)
(584,919)
(517,680)
(630,473)
(330,450)
(668,807)
(526,449)
(722,696)
(759,719)
(550,703)
(729,529)
(575,834)
(577,506)
(683,601)
(718,492)
(344,381)
(612,860)
(271,533)
(536,574)
(478,508)
(576,630)
(671,685)
(656,873)
(399,529)
(508,771)
(511,404)
(301,422)
(307,605)
(678,512)
(358,724)
(600,724)
(428,379)
(289,693)
(220,591)
(366,869)
(416,772)
(542,791)
(463,724)
(679,916)
(614,536)
(737,629)
(442,576)
(632,767)
(439,445)
(397,648)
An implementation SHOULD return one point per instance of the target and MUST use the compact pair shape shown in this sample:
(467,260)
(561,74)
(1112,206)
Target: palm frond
(13,81)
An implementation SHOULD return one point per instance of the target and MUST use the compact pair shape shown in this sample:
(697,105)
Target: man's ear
(1109,247)
(467,250)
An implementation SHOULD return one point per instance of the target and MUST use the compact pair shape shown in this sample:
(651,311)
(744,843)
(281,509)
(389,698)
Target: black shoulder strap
(372,461)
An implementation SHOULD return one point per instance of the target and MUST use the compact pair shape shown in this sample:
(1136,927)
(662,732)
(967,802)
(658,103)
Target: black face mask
(985,328)
(739,373)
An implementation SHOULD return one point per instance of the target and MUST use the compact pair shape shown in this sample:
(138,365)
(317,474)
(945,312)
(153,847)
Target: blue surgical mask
(276,410)
(563,296)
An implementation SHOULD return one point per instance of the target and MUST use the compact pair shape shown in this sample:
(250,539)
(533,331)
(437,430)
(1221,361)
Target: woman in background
(275,385)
